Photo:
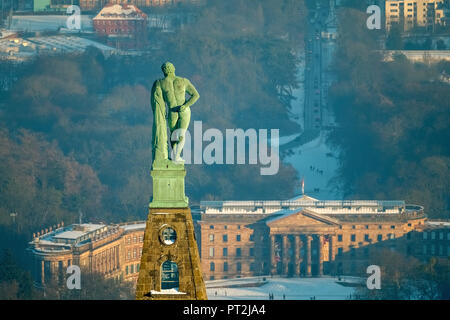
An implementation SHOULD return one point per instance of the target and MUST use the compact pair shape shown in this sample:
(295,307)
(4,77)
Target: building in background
(124,26)
(112,250)
(53,5)
(98,4)
(301,237)
(411,13)
(306,236)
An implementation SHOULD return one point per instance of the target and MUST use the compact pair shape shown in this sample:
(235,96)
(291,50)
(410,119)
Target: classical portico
(301,241)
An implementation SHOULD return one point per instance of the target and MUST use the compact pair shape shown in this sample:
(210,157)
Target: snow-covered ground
(314,161)
(324,288)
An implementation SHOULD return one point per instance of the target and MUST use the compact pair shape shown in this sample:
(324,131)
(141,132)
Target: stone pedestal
(168,185)
(169,240)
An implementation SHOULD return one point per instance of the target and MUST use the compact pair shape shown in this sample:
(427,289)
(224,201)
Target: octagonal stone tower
(170,262)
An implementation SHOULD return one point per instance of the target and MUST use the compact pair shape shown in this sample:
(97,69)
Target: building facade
(305,236)
(412,13)
(301,237)
(120,20)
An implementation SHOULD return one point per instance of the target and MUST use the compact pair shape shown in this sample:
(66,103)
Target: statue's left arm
(193,94)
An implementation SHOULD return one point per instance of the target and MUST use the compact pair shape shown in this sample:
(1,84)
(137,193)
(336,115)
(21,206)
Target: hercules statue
(171,91)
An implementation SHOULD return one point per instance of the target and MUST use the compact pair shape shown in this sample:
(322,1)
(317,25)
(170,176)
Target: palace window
(339,252)
(141,238)
(225,238)
(225,252)
(211,227)
(238,267)
(132,268)
(340,237)
(211,252)
(225,266)
(238,252)
(134,239)
(126,270)
(138,267)
(353,237)
(211,238)
(366,237)
(239,226)
(212,266)
(225,227)
(252,237)
(238,237)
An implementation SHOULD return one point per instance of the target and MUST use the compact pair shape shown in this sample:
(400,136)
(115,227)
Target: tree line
(75,132)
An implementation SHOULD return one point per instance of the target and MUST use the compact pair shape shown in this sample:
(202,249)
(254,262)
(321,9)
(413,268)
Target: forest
(392,121)
(75,137)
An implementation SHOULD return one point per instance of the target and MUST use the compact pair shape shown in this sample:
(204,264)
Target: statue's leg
(173,125)
(183,124)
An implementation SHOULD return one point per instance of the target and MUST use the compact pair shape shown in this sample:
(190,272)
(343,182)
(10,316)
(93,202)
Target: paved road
(313,108)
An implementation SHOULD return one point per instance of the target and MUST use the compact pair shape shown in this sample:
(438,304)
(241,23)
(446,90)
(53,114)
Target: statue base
(170,262)
(168,185)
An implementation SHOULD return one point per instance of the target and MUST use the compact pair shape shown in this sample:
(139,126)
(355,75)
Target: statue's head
(168,68)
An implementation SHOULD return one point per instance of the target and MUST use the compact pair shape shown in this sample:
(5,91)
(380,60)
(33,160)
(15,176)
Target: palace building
(112,250)
(303,236)
(300,237)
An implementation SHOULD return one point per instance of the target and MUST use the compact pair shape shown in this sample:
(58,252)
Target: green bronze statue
(171,91)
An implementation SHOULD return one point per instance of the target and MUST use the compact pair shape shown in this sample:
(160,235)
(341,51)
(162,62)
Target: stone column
(297,255)
(285,255)
(320,255)
(273,262)
(42,273)
(331,255)
(308,255)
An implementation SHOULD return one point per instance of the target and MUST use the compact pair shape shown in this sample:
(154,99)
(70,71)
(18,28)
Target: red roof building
(124,24)
(120,20)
